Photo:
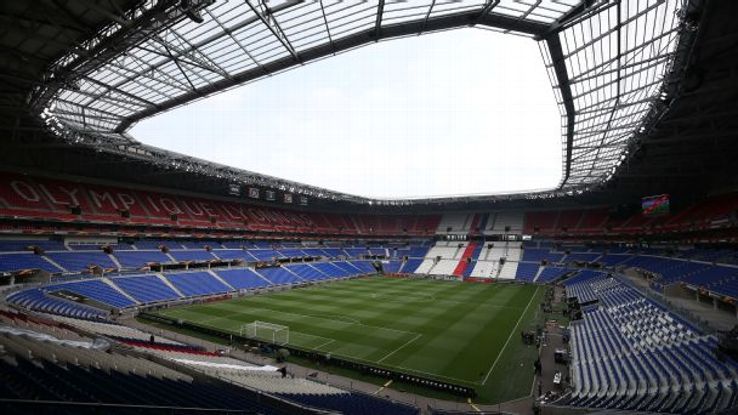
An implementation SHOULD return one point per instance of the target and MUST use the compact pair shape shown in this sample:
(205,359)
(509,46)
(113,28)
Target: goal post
(264,331)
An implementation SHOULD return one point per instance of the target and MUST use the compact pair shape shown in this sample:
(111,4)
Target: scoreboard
(655,205)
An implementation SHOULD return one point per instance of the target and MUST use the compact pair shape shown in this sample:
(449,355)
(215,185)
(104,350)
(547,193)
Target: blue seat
(146,289)
(95,289)
(197,283)
(242,278)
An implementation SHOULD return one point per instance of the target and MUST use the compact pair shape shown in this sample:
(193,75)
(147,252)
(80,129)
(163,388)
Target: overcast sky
(460,112)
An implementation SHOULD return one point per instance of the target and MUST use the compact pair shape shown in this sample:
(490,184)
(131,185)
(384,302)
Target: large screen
(655,205)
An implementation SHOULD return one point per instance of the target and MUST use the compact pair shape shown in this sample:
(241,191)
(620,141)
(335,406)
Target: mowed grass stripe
(307,330)
(451,332)
(448,330)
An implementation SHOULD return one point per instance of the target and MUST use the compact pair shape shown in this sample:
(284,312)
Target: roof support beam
(284,41)
(562,79)
(346,43)
(378,21)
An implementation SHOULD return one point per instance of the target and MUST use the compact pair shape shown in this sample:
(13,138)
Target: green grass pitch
(462,333)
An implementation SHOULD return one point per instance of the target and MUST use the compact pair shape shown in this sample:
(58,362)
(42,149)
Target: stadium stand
(526,271)
(630,353)
(146,288)
(279,276)
(36,299)
(25,261)
(548,274)
(242,278)
(646,92)
(77,261)
(197,283)
(138,259)
(95,289)
(191,255)
(30,199)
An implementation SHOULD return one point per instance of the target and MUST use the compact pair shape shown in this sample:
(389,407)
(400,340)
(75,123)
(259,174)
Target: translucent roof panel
(606,59)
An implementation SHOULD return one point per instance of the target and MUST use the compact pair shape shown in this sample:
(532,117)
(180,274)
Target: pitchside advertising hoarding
(657,205)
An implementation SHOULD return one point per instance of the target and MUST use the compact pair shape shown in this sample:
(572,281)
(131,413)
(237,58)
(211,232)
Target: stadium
(137,279)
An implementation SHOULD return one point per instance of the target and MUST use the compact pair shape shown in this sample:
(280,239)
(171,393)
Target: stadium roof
(614,65)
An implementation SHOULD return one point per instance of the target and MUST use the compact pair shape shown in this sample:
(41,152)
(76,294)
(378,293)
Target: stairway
(119,290)
(170,285)
(217,277)
(54,263)
(115,261)
(464,261)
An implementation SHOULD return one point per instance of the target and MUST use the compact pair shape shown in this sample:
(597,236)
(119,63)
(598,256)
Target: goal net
(270,332)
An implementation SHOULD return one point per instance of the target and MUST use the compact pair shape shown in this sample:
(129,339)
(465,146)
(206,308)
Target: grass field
(467,334)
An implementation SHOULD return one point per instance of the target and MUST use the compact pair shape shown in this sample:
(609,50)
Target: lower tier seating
(197,283)
(629,353)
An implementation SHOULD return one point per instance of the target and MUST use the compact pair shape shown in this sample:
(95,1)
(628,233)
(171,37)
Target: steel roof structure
(613,64)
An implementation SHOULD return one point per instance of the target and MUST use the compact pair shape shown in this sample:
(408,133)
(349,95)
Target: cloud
(467,111)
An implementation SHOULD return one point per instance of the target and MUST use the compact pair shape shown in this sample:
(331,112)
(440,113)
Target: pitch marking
(512,332)
(398,349)
(324,344)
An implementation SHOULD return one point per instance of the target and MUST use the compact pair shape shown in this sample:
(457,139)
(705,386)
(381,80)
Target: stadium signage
(97,199)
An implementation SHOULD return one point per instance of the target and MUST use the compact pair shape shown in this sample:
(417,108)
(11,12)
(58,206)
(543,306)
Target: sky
(467,111)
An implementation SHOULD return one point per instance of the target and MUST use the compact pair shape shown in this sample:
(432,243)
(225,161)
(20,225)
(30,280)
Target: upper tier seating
(231,254)
(612,260)
(21,196)
(24,245)
(454,223)
(22,261)
(541,254)
(581,257)
(441,249)
(266,254)
(138,259)
(75,261)
(191,255)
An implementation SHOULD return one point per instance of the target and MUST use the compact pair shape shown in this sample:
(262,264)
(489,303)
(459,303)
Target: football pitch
(467,334)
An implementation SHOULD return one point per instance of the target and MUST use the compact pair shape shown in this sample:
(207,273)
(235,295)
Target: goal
(270,332)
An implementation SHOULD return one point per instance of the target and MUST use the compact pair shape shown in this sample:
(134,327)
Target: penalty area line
(324,344)
(398,349)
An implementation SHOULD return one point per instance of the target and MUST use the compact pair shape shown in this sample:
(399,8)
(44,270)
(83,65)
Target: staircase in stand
(464,262)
